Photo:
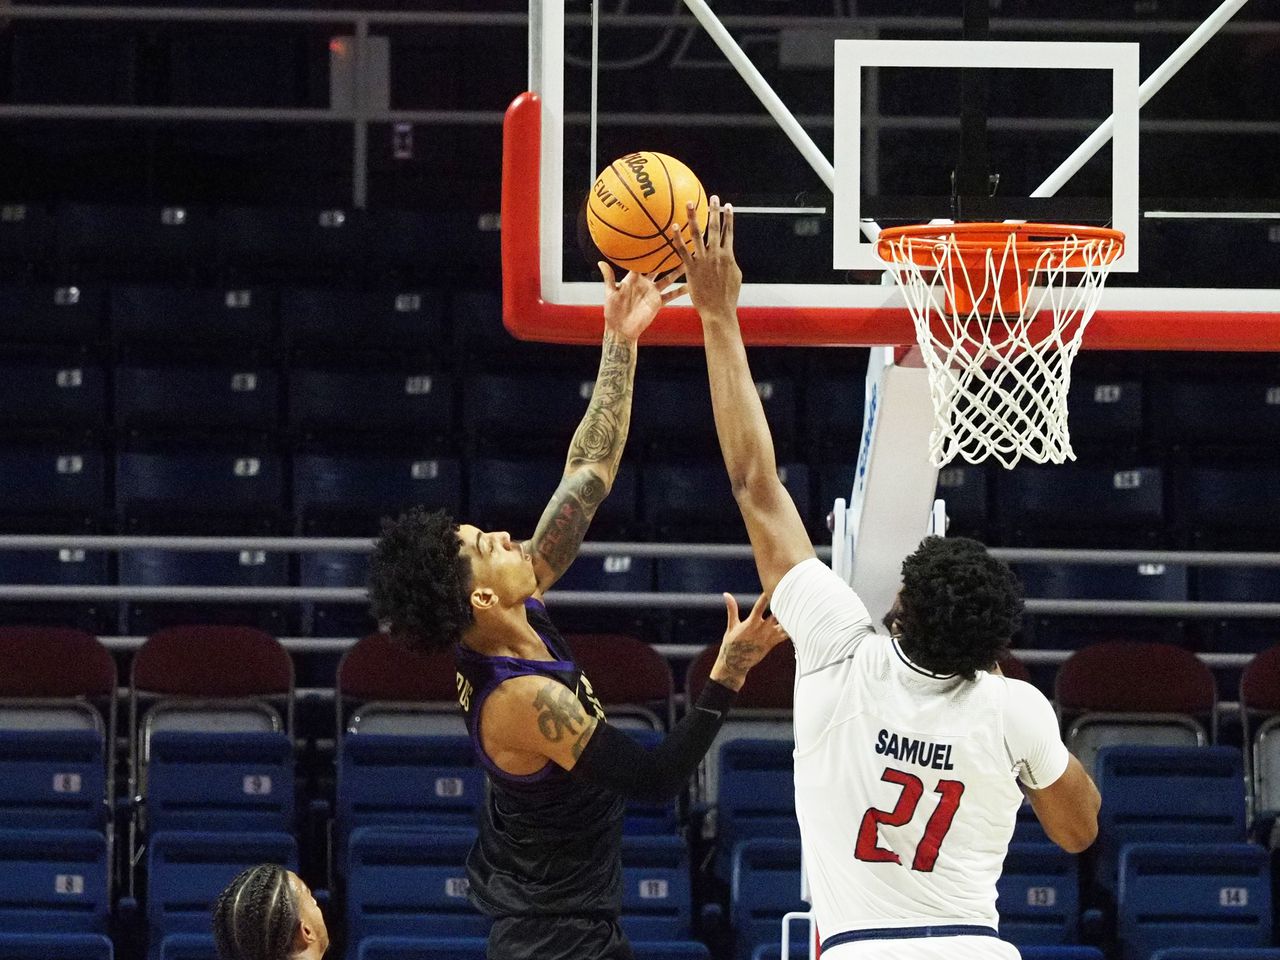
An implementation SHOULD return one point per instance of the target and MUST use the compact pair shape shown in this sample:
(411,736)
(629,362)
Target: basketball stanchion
(1000,310)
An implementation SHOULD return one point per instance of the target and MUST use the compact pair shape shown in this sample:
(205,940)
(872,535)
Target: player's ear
(483,598)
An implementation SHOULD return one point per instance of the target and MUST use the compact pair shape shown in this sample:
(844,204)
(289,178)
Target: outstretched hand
(746,642)
(631,305)
(714,278)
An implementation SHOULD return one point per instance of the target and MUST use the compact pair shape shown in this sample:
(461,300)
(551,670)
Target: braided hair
(256,917)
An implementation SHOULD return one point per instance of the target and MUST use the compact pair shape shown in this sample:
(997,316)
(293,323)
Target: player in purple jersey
(547,863)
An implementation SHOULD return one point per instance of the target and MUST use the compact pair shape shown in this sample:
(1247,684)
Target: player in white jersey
(912,752)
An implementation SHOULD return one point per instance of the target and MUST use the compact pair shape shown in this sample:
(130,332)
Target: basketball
(633,205)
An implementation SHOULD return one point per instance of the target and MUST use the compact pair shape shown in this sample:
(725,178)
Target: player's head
(432,579)
(958,607)
(268,913)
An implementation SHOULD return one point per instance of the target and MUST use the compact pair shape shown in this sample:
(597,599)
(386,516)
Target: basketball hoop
(999,311)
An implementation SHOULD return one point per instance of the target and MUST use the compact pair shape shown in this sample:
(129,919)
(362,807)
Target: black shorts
(557,938)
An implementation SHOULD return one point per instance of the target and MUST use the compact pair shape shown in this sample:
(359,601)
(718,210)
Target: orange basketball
(633,206)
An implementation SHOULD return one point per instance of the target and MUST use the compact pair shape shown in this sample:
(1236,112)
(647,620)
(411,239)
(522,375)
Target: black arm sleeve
(614,761)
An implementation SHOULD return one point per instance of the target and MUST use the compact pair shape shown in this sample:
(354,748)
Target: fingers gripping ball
(633,205)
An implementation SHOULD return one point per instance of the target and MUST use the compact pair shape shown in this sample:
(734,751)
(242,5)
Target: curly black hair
(256,916)
(419,584)
(958,608)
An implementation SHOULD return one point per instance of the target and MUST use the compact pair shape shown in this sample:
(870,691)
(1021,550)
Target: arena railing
(1190,609)
(354,103)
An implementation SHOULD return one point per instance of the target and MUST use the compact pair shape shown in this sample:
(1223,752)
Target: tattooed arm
(596,449)
(529,720)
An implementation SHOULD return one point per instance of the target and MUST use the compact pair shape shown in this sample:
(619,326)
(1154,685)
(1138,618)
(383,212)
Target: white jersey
(905,779)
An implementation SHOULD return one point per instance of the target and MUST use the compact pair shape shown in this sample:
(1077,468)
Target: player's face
(498,563)
(310,919)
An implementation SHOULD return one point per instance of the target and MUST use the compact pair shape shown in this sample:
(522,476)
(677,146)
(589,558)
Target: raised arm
(597,445)
(529,720)
(778,537)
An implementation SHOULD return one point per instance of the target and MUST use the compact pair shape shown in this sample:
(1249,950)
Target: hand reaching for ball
(714,278)
(631,305)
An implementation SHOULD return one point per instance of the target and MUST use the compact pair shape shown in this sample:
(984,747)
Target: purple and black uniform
(547,864)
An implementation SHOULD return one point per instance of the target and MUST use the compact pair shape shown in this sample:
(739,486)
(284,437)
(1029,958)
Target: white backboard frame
(1119,59)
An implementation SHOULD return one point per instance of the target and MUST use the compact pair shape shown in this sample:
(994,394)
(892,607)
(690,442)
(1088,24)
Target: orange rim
(975,240)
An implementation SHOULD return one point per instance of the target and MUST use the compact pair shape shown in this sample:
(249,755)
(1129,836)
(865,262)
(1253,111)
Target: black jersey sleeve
(614,761)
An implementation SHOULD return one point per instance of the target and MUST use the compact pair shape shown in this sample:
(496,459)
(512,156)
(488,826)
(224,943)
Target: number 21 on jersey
(868,847)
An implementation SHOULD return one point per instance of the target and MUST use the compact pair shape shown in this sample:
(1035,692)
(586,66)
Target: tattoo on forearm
(559,712)
(598,442)
(603,431)
(564,523)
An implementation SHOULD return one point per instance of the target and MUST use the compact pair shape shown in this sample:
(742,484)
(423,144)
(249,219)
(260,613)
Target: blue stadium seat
(423,948)
(404,882)
(1239,585)
(650,818)
(1061,953)
(402,243)
(194,489)
(1132,581)
(187,871)
(1192,895)
(835,480)
(338,322)
(765,885)
(755,794)
(1095,505)
(401,780)
(188,946)
(335,570)
(80,63)
(736,575)
(53,779)
(1167,794)
(669,950)
(54,881)
(833,405)
(66,567)
(242,398)
(614,572)
(349,494)
(50,946)
(1142,581)
(530,411)
(1038,895)
(172,568)
(1217,953)
(657,894)
(240,782)
(287,242)
(26,230)
(63,486)
(44,313)
(511,495)
(1227,506)
(132,240)
(1105,411)
(681,496)
(964,488)
(222,320)
(1237,409)
(1027,827)
(773,951)
(68,396)
(212,66)
(372,402)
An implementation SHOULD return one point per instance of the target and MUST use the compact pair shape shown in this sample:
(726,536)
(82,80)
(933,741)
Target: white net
(998,325)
